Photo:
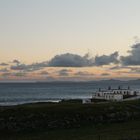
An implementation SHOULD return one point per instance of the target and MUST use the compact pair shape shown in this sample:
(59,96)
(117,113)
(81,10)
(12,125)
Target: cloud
(71,60)
(107,59)
(64,72)
(135,70)
(29,68)
(134,56)
(17,74)
(119,67)
(19,67)
(105,74)
(16,61)
(74,60)
(6,74)
(116,67)
(44,73)
(4,64)
(4,70)
(83,73)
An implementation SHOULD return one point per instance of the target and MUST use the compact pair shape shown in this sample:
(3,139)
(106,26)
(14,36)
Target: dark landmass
(108,81)
(135,81)
(71,121)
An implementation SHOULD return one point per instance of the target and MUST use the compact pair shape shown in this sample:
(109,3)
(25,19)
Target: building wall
(113,94)
(108,96)
(118,97)
(124,92)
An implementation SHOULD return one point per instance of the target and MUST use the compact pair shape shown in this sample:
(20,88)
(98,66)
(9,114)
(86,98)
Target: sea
(22,93)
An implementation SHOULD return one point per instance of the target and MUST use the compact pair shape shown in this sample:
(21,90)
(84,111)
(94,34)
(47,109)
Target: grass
(127,130)
(71,121)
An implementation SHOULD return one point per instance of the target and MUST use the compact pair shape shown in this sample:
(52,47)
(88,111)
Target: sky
(69,39)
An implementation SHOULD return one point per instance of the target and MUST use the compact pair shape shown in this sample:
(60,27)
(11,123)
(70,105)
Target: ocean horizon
(22,93)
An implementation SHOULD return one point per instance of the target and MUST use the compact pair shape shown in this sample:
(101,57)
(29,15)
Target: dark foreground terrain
(71,121)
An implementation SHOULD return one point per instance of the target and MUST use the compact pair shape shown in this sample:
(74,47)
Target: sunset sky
(69,40)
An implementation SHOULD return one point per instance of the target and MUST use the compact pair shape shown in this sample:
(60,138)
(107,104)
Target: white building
(107,96)
(113,94)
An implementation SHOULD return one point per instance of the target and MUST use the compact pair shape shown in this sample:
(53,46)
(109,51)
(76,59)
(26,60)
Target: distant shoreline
(90,81)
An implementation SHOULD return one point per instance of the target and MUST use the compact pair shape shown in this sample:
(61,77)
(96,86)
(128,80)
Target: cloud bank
(83,73)
(70,60)
(29,68)
(74,60)
(129,63)
(134,56)
(64,72)
(3,64)
(107,59)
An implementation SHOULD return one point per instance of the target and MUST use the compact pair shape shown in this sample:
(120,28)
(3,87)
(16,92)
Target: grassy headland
(71,121)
